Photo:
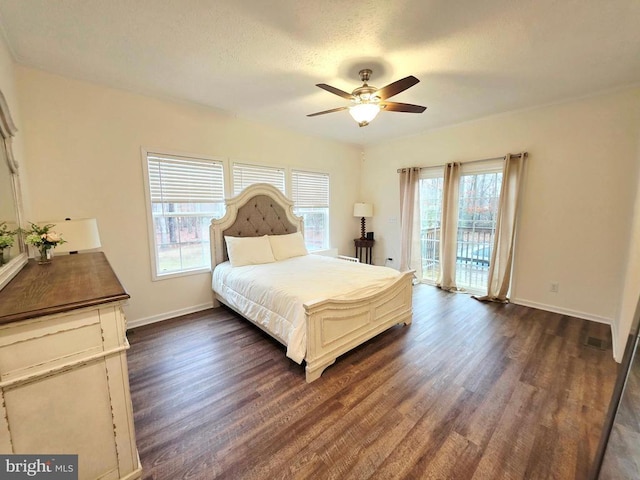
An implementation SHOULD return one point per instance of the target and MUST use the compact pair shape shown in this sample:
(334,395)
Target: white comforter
(273,294)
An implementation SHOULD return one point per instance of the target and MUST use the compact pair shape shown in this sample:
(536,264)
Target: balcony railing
(474,246)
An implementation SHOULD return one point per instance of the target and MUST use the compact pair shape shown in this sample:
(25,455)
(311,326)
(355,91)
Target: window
(310,194)
(184,194)
(478,200)
(245,175)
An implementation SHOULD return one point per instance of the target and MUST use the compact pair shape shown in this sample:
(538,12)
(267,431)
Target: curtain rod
(515,155)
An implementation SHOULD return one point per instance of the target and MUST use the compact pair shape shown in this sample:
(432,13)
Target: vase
(46,254)
(2,256)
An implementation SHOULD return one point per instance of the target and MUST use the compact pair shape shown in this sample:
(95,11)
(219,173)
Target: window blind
(245,175)
(310,189)
(185,180)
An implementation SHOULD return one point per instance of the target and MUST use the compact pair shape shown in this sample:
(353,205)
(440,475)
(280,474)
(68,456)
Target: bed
(318,307)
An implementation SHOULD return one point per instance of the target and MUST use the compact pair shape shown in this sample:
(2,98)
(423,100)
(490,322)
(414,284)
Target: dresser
(64,383)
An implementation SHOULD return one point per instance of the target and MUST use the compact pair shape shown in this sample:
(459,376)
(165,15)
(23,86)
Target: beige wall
(83,146)
(578,200)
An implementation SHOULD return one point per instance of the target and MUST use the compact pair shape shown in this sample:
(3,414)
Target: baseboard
(167,315)
(562,311)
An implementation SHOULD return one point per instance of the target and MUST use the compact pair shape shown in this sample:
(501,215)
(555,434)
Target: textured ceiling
(260,59)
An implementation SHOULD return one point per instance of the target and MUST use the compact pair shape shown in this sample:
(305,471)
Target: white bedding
(273,294)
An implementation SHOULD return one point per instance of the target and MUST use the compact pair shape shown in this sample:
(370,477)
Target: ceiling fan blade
(402,107)
(327,111)
(396,87)
(335,91)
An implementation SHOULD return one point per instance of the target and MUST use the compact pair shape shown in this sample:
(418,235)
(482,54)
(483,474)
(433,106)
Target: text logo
(49,467)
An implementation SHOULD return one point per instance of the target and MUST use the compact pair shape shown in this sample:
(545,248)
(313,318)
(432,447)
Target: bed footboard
(329,334)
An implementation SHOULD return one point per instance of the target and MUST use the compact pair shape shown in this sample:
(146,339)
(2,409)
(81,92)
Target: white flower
(40,236)
(52,237)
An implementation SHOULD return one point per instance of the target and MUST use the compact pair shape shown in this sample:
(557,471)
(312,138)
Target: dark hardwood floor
(468,391)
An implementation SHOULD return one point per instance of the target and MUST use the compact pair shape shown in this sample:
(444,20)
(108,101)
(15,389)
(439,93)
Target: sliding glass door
(431,182)
(477,214)
(479,195)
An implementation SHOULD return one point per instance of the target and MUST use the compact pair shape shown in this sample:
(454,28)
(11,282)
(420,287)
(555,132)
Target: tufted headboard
(260,209)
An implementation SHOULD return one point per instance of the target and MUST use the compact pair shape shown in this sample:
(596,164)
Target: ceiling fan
(367,100)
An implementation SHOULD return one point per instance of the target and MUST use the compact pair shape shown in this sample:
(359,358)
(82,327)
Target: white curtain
(410,256)
(449,228)
(499,280)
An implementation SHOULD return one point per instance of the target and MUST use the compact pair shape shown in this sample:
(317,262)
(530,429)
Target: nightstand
(364,249)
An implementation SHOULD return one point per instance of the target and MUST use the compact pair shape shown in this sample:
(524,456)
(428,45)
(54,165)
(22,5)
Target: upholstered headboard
(260,209)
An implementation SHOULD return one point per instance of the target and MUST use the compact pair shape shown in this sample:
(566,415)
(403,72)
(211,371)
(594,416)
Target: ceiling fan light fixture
(363,113)
(367,100)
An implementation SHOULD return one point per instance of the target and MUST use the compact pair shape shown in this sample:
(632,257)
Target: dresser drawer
(35,347)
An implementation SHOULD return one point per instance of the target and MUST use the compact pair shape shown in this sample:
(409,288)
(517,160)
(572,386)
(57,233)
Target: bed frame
(333,326)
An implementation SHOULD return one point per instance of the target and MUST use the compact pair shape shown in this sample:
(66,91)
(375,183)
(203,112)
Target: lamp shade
(80,234)
(363,210)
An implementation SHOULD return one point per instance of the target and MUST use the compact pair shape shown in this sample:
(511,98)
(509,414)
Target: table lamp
(80,234)
(362,210)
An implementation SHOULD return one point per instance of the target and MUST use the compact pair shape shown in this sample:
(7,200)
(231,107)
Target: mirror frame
(7,132)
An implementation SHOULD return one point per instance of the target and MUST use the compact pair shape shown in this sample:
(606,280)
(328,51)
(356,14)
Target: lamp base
(362,229)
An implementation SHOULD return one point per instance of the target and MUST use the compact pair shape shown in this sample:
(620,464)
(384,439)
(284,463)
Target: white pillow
(287,246)
(249,250)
